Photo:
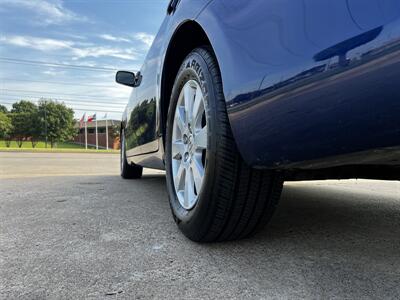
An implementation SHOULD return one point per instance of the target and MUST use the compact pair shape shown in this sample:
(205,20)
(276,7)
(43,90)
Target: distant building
(113,143)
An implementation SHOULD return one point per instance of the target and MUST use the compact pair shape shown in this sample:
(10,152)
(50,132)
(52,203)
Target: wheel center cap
(186,157)
(185,139)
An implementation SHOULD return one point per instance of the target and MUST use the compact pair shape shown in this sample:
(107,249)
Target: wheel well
(189,36)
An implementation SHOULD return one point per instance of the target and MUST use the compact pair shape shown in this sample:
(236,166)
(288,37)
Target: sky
(69,50)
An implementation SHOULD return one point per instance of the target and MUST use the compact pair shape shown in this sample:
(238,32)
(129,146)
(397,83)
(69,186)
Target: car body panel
(308,80)
(142,116)
(304,81)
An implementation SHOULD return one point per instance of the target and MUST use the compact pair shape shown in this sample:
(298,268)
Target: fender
(298,76)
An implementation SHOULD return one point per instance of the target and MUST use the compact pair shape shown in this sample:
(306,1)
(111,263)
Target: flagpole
(97,142)
(86,135)
(106,135)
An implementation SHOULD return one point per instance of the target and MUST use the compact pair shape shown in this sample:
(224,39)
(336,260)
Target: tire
(128,171)
(235,200)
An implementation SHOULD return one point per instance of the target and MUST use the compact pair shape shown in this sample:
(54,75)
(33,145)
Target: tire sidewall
(195,68)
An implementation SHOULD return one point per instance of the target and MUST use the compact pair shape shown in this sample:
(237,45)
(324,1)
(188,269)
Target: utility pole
(106,134)
(45,123)
(86,134)
(97,141)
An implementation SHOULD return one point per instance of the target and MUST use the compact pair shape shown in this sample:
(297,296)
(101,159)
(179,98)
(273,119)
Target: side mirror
(126,78)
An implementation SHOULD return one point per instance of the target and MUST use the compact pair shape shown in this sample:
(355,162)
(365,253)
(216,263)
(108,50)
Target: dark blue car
(236,96)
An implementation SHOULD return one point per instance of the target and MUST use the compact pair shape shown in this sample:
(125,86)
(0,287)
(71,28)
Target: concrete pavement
(70,227)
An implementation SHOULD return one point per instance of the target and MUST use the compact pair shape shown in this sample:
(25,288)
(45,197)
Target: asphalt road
(70,227)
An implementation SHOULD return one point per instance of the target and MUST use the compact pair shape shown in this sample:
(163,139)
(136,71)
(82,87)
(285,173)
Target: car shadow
(331,222)
(322,241)
(334,212)
(311,219)
(160,176)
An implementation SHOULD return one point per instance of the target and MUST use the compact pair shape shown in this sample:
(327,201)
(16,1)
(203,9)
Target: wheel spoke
(179,176)
(188,95)
(189,191)
(198,173)
(200,138)
(178,149)
(197,106)
(180,118)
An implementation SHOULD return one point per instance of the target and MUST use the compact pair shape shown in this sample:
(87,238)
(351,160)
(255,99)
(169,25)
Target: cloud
(128,54)
(109,37)
(42,44)
(145,38)
(77,50)
(47,12)
(73,36)
(53,72)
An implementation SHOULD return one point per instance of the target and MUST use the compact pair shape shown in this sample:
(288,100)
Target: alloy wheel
(189,144)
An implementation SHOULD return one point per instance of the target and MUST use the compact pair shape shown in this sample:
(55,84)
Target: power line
(23,97)
(55,65)
(57,83)
(49,64)
(124,103)
(30,98)
(65,102)
(96,103)
(97,110)
(81,108)
(61,94)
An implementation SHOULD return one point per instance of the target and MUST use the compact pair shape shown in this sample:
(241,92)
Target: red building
(113,140)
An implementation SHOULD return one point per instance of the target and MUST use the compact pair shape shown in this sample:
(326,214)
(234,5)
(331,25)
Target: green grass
(41,147)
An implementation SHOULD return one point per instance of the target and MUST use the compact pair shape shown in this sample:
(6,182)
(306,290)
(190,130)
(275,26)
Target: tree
(24,116)
(19,127)
(115,131)
(56,121)
(143,121)
(23,106)
(5,128)
(3,109)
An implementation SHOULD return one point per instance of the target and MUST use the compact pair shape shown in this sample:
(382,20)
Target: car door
(142,118)
(141,124)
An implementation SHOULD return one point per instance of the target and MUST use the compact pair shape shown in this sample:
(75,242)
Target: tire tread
(246,197)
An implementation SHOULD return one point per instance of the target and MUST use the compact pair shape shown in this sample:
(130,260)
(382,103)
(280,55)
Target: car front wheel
(214,195)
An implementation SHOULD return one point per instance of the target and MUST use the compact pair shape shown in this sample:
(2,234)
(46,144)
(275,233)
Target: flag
(91,118)
(105,116)
(82,120)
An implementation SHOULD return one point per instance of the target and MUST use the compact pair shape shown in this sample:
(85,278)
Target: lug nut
(178,156)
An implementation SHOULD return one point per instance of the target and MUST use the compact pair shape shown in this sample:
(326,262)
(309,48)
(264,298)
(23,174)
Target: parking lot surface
(70,227)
